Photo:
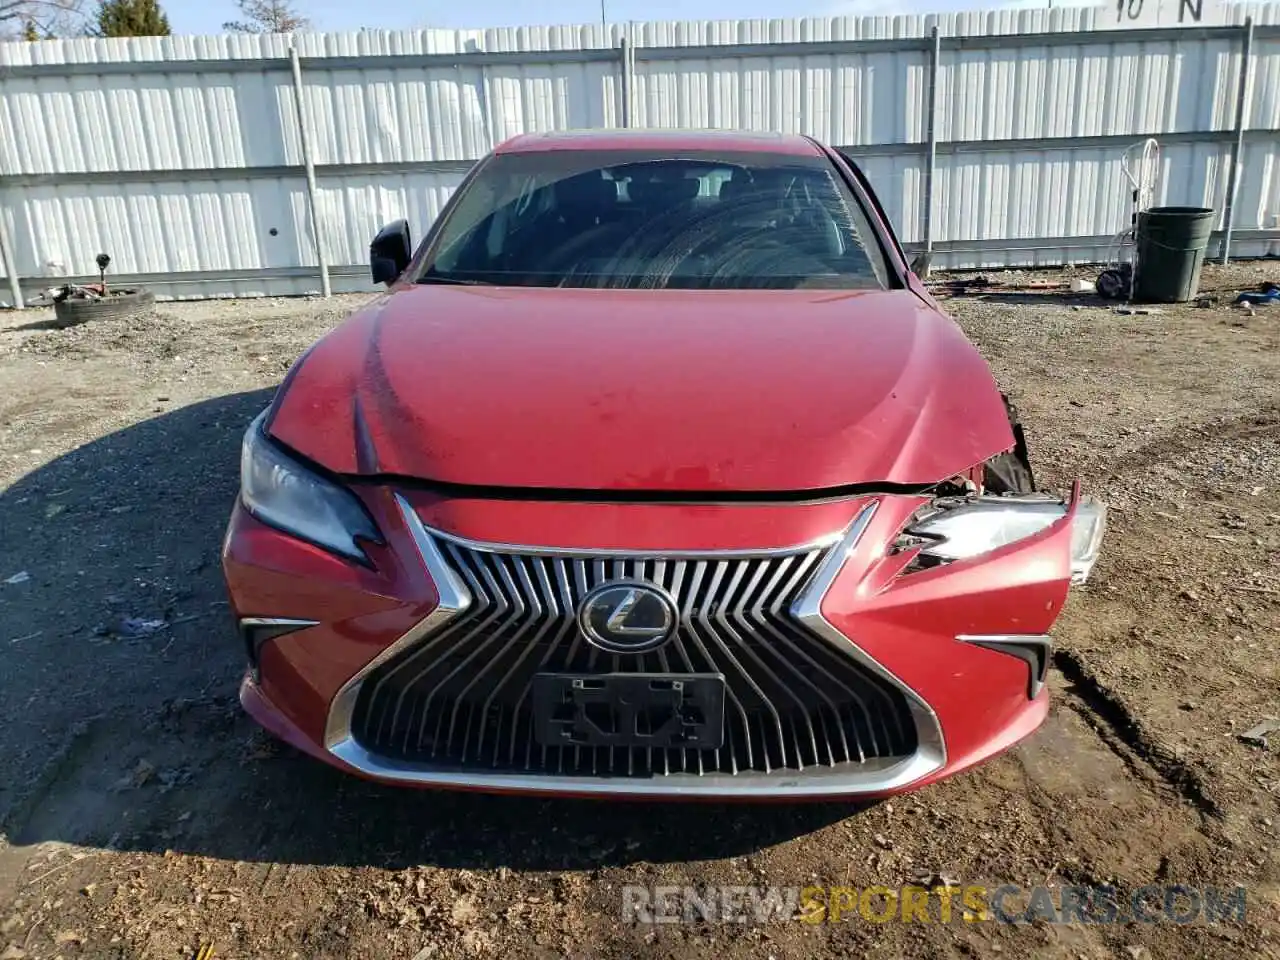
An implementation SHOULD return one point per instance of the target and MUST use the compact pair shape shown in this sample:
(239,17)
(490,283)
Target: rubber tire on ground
(118,306)
(1111,285)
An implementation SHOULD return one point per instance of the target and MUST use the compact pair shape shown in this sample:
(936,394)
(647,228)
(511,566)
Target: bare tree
(265,16)
(45,18)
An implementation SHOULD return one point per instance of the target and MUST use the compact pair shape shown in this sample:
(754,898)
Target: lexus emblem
(627,616)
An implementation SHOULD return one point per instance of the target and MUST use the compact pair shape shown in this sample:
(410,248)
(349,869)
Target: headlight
(281,492)
(961,529)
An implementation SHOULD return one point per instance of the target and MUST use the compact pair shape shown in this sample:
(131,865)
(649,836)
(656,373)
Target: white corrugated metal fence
(182,157)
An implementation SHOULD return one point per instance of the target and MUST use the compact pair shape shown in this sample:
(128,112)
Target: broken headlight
(957,529)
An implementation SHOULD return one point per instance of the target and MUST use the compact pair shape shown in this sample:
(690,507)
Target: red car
(657,472)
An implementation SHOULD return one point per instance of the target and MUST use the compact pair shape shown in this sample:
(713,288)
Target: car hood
(656,390)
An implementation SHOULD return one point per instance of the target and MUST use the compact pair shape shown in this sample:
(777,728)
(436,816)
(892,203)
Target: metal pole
(486,109)
(931,141)
(604,22)
(304,138)
(1237,148)
(10,264)
(628,64)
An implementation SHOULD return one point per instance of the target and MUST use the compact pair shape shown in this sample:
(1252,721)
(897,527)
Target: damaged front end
(997,504)
(955,528)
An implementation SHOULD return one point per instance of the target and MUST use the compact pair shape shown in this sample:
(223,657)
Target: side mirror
(390,252)
(920,265)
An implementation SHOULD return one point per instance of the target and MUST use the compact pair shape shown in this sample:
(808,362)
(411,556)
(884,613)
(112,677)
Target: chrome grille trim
(611,553)
(754,601)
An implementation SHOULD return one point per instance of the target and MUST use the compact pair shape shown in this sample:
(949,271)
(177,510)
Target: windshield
(630,219)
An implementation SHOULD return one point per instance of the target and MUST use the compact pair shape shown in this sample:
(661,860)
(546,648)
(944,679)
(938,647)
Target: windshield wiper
(459,281)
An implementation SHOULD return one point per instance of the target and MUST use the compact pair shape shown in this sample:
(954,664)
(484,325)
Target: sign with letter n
(1139,14)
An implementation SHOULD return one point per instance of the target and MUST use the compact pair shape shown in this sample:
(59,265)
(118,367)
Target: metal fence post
(304,140)
(931,140)
(628,76)
(10,263)
(1237,147)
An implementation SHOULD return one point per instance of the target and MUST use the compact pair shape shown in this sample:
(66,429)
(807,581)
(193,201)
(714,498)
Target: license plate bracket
(652,710)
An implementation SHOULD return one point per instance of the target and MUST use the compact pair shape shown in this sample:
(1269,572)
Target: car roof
(729,141)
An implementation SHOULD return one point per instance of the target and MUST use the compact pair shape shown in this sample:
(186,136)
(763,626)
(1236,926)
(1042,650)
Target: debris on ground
(1115,283)
(69,291)
(1257,736)
(1266,295)
(982,282)
(78,291)
(141,775)
(22,576)
(932,879)
(134,627)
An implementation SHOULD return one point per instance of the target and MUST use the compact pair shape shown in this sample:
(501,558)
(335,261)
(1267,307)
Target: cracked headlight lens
(281,492)
(969,528)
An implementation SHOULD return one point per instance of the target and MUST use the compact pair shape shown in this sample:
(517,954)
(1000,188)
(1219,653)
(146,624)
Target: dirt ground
(141,815)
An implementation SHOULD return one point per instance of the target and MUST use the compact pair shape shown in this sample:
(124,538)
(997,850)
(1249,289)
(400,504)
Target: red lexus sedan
(657,472)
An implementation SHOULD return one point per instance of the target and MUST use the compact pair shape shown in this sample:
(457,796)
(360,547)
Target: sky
(207,16)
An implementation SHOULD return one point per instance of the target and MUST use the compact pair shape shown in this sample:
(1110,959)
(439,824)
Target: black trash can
(1171,245)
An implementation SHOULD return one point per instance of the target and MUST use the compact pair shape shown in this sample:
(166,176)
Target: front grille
(460,697)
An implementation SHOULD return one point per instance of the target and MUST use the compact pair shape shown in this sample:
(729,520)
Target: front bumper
(917,639)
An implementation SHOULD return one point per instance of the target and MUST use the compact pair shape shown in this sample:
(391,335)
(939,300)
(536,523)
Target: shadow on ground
(1050,298)
(49,324)
(134,739)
